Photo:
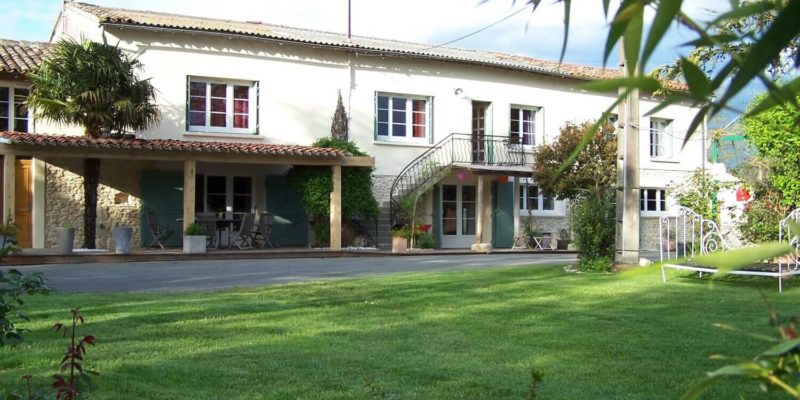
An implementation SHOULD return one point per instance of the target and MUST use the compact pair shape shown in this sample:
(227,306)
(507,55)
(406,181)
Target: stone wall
(118,201)
(381,184)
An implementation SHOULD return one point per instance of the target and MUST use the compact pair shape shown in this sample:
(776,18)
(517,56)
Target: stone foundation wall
(381,184)
(118,202)
(648,233)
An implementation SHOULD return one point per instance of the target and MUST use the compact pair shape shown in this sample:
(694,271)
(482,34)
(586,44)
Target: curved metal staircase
(454,151)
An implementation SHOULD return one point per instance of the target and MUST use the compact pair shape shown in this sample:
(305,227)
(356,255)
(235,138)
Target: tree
(96,86)
(594,169)
(339,124)
(776,135)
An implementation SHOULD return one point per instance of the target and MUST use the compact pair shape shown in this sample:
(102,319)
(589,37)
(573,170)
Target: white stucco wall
(299,84)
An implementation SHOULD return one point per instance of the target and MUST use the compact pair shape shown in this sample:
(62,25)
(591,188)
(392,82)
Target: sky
(538,34)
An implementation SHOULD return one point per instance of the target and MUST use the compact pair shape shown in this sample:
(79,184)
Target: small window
(533,199)
(13,116)
(661,138)
(222,106)
(402,117)
(653,200)
(523,125)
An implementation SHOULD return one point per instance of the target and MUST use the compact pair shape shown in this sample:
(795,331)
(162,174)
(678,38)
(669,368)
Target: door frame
(458,240)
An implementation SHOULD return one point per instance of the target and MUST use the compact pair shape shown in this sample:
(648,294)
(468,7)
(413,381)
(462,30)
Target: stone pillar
(9,186)
(189,170)
(336,208)
(627,194)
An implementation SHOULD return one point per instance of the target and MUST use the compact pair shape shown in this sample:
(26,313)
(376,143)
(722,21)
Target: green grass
(464,335)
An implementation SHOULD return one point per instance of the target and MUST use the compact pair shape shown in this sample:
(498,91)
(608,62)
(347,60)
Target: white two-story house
(469,117)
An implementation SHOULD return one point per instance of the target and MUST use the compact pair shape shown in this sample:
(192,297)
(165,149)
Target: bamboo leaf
(643,83)
(699,85)
(782,31)
(786,93)
(782,348)
(665,14)
(567,4)
(695,391)
(743,257)
(633,38)
(742,11)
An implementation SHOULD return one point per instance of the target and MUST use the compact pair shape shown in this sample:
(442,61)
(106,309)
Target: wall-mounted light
(458,91)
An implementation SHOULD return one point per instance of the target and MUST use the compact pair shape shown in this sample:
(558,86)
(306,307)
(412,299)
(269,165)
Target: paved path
(216,274)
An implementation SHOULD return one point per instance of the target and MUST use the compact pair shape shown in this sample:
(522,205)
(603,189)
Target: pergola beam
(189,170)
(336,209)
(53,152)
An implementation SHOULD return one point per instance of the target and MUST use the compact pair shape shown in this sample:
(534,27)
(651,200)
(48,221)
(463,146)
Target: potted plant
(400,236)
(65,238)
(562,243)
(194,239)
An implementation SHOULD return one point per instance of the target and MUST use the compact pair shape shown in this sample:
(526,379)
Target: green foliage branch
(314,185)
(699,193)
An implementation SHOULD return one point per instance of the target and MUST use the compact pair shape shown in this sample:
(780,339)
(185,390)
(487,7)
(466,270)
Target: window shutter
(258,101)
(375,117)
(430,120)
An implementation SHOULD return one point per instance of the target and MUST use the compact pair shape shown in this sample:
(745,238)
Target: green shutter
(258,104)
(188,96)
(503,221)
(162,193)
(291,223)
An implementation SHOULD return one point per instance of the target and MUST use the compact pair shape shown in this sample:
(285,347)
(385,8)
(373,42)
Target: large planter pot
(194,244)
(122,240)
(65,240)
(399,244)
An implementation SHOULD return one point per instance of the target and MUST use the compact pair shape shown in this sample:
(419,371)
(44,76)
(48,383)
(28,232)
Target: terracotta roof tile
(46,140)
(156,20)
(17,56)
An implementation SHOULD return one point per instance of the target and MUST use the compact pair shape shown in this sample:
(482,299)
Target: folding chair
(160,233)
(209,221)
(244,237)
(263,230)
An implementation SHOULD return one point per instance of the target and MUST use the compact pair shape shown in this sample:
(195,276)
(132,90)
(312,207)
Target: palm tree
(96,86)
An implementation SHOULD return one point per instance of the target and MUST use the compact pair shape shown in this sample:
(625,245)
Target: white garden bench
(686,234)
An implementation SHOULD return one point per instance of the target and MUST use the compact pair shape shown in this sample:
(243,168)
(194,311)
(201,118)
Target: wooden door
(23,207)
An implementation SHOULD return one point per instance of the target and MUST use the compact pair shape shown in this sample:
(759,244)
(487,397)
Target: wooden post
(9,186)
(479,211)
(336,208)
(516,206)
(189,169)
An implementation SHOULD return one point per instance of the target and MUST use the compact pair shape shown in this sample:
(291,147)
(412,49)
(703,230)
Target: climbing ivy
(314,185)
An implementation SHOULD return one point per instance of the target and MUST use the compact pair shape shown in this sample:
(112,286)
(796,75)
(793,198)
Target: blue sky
(428,21)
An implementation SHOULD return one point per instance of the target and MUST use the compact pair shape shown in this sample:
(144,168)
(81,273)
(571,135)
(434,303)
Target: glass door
(459,213)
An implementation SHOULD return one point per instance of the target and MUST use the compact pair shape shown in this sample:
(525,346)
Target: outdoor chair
(209,221)
(243,239)
(262,231)
(160,232)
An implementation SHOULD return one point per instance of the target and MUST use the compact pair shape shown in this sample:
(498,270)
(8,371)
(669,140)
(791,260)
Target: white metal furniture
(686,235)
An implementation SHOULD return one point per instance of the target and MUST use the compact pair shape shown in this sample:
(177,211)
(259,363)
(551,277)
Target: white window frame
(661,139)
(252,105)
(534,135)
(12,106)
(409,124)
(559,206)
(662,205)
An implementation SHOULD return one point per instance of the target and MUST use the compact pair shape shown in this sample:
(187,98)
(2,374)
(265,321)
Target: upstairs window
(402,118)
(222,106)
(653,200)
(661,138)
(533,199)
(13,117)
(523,125)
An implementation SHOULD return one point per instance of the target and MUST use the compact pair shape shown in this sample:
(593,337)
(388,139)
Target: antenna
(349,19)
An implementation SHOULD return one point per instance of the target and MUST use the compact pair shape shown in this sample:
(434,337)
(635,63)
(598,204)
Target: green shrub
(591,219)
(761,218)
(195,229)
(426,241)
(699,193)
(600,264)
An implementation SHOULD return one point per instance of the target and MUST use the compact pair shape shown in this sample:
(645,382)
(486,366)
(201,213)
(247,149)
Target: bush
(426,241)
(600,264)
(761,218)
(699,193)
(591,219)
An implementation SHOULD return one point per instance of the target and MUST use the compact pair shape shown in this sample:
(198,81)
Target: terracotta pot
(399,244)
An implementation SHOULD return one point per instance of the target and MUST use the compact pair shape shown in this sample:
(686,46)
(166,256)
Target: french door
(459,211)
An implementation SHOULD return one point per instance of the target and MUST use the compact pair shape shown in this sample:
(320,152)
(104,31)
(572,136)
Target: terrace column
(479,211)
(336,208)
(189,170)
(516,206)
(9,180)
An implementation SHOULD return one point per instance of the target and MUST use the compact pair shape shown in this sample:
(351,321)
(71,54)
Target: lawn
(462,335)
